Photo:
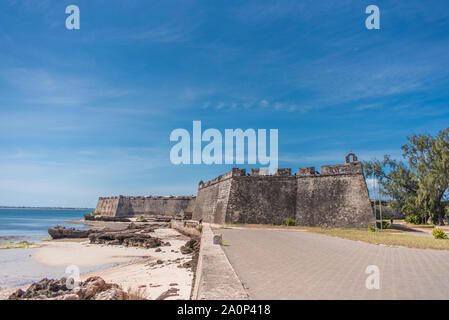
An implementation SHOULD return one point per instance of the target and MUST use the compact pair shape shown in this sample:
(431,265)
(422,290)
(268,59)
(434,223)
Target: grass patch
(225,243)
(19,245)
(422,226)
(260,226)
(141,219)
(387,237)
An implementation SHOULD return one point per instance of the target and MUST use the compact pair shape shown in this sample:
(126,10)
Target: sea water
(32,224)
(17,267)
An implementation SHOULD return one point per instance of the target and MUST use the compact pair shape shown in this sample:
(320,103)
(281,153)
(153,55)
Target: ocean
(17,266)
(32,224)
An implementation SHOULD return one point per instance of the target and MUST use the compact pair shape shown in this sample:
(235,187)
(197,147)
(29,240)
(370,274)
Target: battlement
(148,197)
(350,168)
(282,172)
(259,172)
(306,172)
(235,172)
(347,168)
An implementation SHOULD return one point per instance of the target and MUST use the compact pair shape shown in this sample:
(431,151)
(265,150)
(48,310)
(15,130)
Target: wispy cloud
(40,86)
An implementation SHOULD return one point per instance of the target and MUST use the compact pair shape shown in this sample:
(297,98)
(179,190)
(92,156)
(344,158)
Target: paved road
(290,264)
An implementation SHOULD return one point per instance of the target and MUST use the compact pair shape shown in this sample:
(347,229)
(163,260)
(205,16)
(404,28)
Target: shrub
(141,218)
(383,225)
(290,222)
(439,234)
(413,218)
(135,294)
(185,223)
(95,213)
(372,228)
(199,228)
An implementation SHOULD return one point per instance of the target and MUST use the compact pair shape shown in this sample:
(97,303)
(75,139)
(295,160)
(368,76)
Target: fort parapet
(336,197)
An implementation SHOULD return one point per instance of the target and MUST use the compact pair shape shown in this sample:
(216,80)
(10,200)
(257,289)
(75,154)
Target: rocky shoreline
(94,288)
(150,277)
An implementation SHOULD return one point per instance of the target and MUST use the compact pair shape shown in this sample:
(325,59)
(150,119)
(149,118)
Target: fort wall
(123,206)
(261,199)
(336,197)
(213,197)
(107,206)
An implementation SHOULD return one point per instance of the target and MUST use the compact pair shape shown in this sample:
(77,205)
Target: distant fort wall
(124,206)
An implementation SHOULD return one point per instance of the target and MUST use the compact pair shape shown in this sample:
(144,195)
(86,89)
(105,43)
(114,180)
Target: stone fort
(335,197)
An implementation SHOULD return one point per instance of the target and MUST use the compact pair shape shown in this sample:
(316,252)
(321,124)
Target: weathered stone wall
(338,197)
(212,198)
(107,206)
(133,206)
(261,199)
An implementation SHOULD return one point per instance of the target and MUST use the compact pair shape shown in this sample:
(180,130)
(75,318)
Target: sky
(88,113)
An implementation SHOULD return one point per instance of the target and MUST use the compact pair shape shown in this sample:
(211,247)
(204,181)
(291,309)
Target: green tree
(396,181)
(419,186)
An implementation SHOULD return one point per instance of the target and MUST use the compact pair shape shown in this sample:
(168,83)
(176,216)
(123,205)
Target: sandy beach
(146,272)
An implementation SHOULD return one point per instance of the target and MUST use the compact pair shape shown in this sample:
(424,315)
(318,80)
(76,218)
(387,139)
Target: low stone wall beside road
(215,277)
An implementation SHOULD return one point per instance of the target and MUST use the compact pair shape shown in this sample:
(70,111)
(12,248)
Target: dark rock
(94,288)
(169,293)
(131,237)
(193,245)
(59,232)
(44,288)
(91,217)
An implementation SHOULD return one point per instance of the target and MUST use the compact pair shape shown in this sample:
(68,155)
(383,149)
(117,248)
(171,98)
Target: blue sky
(88,113)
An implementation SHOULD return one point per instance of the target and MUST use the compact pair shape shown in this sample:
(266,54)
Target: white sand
(139,271)
(84,254)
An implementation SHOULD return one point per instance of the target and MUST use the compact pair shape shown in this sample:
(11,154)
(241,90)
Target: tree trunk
(440,219)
